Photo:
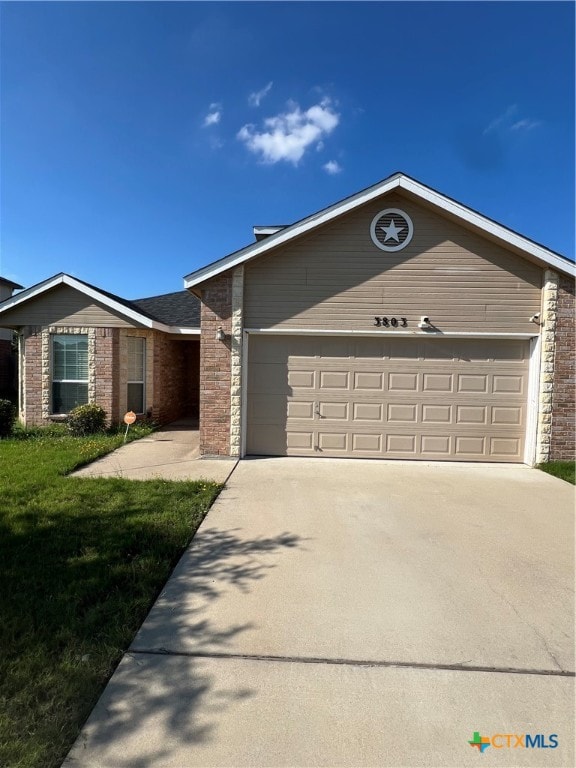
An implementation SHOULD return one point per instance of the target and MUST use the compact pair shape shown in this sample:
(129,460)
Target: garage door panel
(469,446)
(333,441)
(437,382)
(454,403)
(471,414)
(506,414)
(367,411)
(507,384)
(300,409)
(401,444)
(504,446)
(402,382)
(434,446)
(473,383)
(301,379)
(367,444)
(368,380)
(297,440)
(336,411)
(404,412)
(334,380)
(436,414)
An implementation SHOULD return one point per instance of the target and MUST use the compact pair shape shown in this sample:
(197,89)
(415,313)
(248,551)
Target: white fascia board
(115,305)
(267,230)
(338,209)
(185,331)
(87,291)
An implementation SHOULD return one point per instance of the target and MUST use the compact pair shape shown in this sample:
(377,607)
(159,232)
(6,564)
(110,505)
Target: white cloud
(525,125)
(508,121)
(288,135)
(505,117)
(214,114)
(255,98)
(332,167)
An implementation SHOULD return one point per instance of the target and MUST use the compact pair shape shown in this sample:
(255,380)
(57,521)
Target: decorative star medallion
(391,229)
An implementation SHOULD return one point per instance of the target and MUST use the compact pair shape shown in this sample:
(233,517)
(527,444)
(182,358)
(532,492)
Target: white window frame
(54,380)
(141,381)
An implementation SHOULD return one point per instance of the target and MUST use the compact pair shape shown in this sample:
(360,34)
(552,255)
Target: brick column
(32,372)
(215,366)
(548,329)
(562,438)
(106,371)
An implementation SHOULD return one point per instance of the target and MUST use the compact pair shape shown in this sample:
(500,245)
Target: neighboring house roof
(398,181)
(10,283)
(179,308)
(131,310)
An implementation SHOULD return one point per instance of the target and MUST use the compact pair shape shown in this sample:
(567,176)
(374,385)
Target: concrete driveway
(356,613)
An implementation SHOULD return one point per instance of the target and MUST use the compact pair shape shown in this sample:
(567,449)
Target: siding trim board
(532,412)
(387,334)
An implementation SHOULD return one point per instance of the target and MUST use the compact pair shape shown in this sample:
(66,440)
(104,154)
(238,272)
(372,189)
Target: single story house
(80,344)
(397,323)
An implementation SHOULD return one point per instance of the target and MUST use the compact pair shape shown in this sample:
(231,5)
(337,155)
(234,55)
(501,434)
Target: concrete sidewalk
(170,453)
(355,613)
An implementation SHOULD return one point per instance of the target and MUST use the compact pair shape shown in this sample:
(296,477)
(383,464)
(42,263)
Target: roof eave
(397,180)
(63,279)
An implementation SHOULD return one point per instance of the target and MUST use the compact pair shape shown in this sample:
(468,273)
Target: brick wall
(106,387)
(215,366)
(175,378)
(33,378)
(563,411)
(37,381)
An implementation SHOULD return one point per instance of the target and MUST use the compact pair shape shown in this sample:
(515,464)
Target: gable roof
(179,308)
(397,181)
(131,310)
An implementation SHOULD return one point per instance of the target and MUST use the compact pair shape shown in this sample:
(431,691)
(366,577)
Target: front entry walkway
(356,613)
(170,453)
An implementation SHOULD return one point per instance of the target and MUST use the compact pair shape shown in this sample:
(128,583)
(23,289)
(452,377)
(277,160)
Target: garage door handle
(316,409)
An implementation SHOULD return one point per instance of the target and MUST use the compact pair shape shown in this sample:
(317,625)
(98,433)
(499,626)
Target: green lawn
(565,470)
(81,561)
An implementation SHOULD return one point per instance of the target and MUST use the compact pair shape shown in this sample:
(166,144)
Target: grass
(565,470)
(81,561)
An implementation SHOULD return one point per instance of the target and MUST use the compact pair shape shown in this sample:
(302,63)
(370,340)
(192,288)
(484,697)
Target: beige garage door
(387,398)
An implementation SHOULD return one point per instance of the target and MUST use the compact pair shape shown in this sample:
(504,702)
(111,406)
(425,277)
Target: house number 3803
(391,322)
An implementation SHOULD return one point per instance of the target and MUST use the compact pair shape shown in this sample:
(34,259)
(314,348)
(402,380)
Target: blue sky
(143,140)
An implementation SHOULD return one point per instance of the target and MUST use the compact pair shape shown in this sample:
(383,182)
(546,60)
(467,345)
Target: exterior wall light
(220,335)
(424,322)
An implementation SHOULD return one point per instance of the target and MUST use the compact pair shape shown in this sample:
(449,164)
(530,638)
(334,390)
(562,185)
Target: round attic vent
(391,230)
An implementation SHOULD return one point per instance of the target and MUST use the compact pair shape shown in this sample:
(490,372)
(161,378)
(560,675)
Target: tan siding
(64,306)
(338,279)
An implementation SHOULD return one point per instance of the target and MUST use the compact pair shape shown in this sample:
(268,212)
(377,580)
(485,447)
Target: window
(69,371)
(136,371)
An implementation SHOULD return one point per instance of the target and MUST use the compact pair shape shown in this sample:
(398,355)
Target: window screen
(136,373)
(69,371)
